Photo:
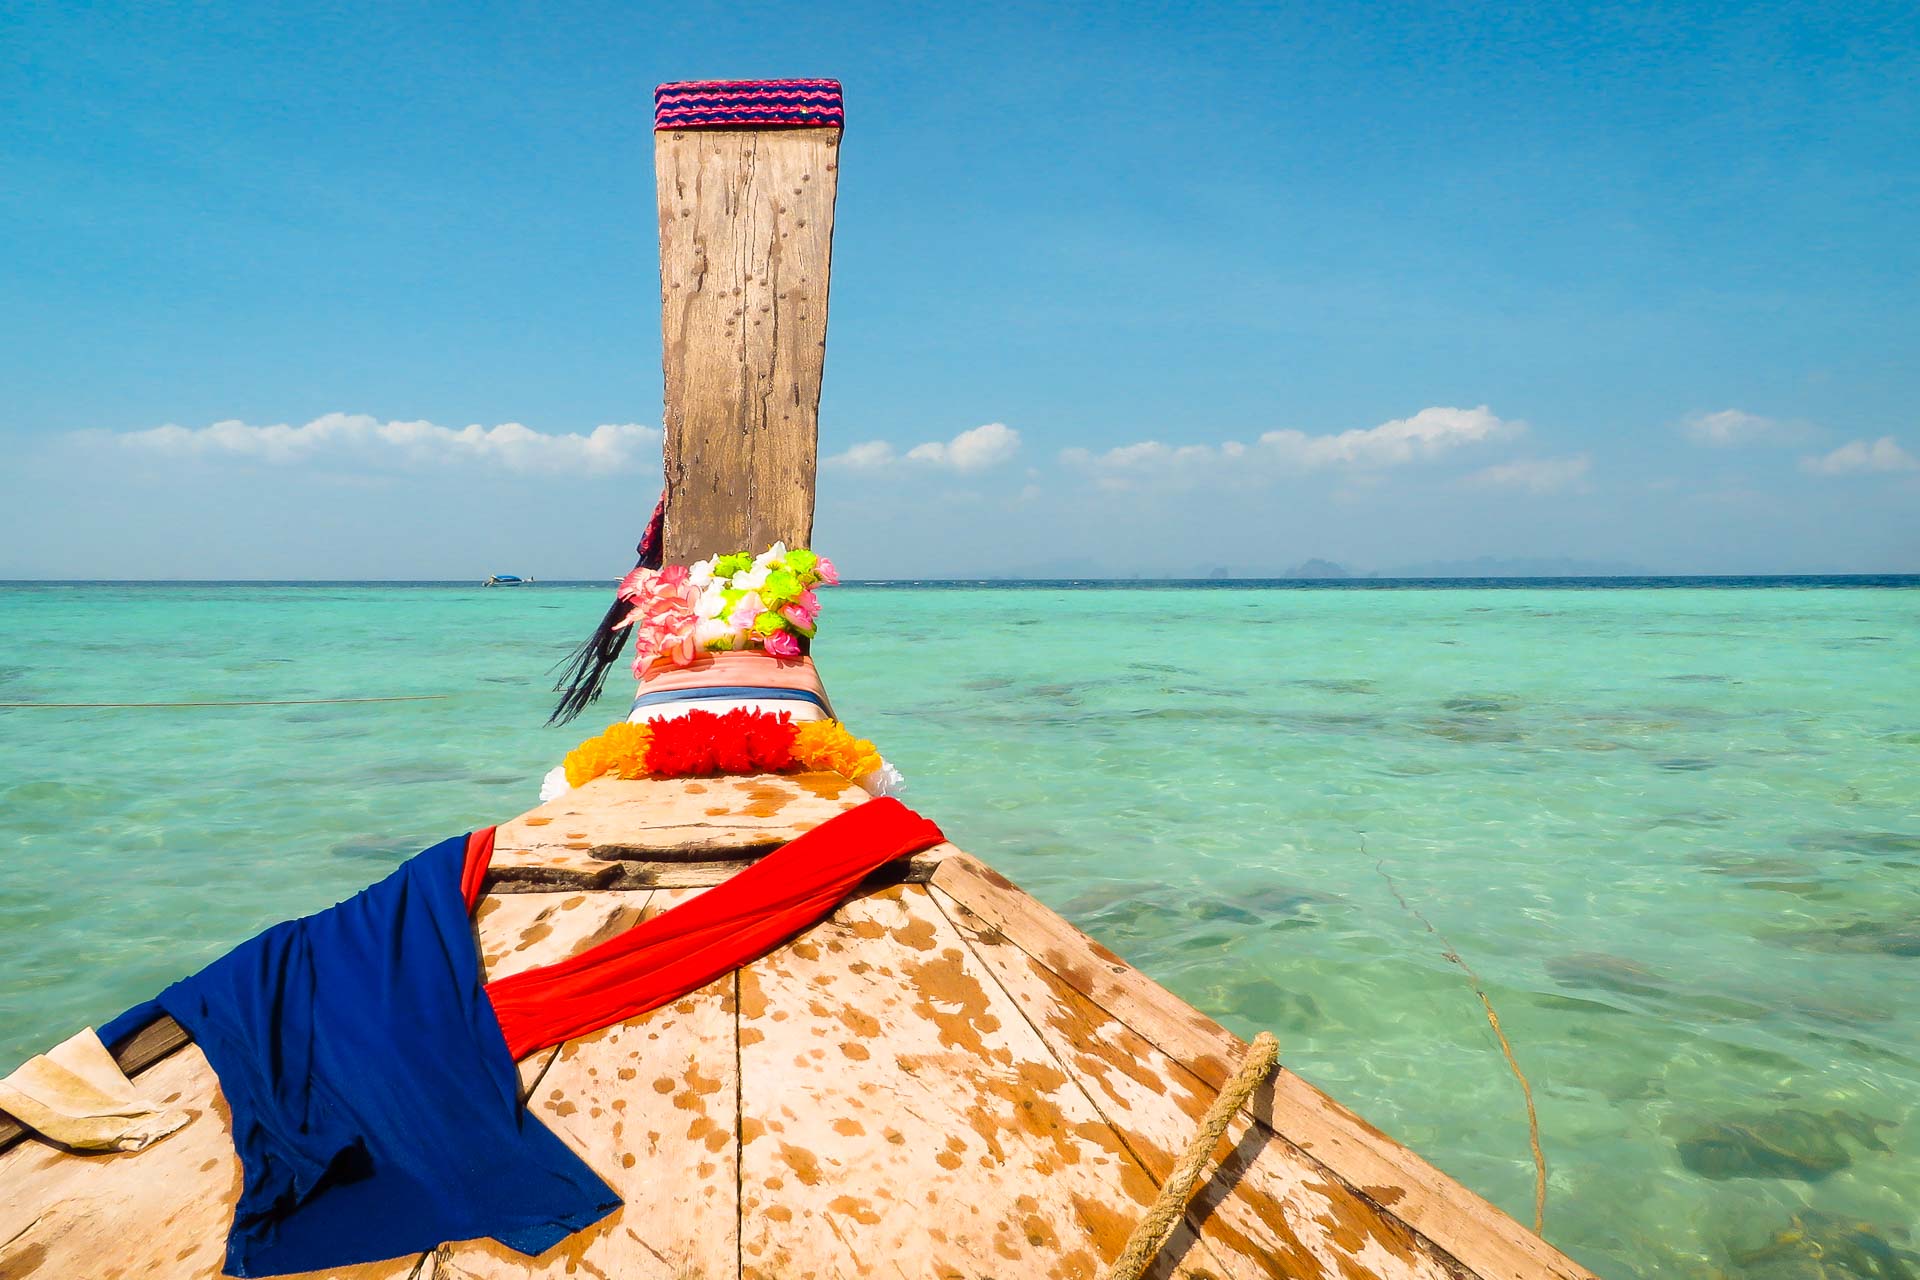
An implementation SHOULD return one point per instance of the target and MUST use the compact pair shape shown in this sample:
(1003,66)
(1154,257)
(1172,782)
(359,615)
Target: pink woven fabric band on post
(748,104)
(736,667)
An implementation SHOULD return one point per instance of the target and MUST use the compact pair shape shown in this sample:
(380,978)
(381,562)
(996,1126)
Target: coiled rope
(1150,1236)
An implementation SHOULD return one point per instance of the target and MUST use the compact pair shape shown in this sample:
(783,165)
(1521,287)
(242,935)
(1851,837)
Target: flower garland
(726,602)
(701,744)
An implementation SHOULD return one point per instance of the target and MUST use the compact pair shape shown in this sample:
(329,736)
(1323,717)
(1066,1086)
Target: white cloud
(1428,434)
(1730,428)
(358,439)
(1535,475)
(972,450)
(1884,454)
(874,453)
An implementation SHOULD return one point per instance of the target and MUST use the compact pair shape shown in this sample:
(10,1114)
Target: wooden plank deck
(650,1104)
(943,1079)
(900,1117)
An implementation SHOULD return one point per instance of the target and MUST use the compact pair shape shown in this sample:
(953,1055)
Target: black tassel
(585,669)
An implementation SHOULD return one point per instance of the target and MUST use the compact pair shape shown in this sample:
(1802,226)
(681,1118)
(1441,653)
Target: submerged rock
(1826,1246)
(376,849)
(1336,686)
(1843,1013)
(1799,888)
(1267,1003)
(1221,909)
(1125,913)
(1859,934)
(1772,868)
(1874,843)
(1597,969)
(1788,1143)
(1690,818)
(1481,704)
(1468,728)
(1272,905)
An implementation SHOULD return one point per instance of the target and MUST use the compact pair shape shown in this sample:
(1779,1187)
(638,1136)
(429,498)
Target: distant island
(1317,568)
(1481,567)
(1517,567)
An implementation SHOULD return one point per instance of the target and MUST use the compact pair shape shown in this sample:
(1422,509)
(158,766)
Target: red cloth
(473,872)
(732,924)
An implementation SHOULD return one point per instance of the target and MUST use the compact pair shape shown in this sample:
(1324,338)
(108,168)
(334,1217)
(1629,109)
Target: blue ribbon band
(712,692)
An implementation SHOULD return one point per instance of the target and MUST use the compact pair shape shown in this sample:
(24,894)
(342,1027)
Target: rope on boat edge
(1150,1236)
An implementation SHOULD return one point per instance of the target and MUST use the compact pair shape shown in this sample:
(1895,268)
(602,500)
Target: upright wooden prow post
(747,171)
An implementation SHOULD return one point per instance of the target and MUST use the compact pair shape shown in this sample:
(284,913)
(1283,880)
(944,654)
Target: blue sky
(1173,287)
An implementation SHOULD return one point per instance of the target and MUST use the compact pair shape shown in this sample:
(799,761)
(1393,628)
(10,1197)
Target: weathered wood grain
(162,1212)
(591,874)
(1268,1210)
(900,1118)
(578,839)
(941,1080)
(525,930)
(165,1211)
(746,239)
(1474,1233)
(650,1105)
(521,931)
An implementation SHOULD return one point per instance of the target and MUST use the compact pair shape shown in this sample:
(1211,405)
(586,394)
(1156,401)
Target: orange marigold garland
(827,746)
(621,751)
(701,744)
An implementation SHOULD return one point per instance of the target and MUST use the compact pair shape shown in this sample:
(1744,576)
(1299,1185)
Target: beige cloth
(76,1094)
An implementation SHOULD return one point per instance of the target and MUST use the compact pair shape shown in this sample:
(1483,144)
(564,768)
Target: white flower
(701,573)
(554,785)
(713,601)
(709,630)
(771,556)
(752,580)
(884,781)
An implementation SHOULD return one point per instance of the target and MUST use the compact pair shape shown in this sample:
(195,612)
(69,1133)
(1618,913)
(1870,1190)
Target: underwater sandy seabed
(1676,833)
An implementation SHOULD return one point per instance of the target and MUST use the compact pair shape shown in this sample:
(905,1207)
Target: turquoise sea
(1675,830)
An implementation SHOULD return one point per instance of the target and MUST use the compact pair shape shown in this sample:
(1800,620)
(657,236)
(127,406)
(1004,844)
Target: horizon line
(1172,580)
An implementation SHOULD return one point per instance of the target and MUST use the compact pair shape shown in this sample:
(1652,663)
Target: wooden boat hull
(943,1079)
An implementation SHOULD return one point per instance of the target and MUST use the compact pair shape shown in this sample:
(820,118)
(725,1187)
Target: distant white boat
(505,580)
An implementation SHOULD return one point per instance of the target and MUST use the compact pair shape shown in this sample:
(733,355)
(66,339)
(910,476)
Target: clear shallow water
(1675,831)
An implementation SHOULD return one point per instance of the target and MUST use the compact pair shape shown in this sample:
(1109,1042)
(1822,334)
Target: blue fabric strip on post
(731,691)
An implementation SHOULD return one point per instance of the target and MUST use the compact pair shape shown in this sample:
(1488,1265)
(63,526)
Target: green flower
(768,623)
(802,561)
(727,566)
(781,587)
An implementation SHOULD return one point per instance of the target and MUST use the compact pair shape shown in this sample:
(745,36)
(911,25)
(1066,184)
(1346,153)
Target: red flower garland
(701,743)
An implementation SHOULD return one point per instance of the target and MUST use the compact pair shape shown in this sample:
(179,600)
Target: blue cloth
(375,1108)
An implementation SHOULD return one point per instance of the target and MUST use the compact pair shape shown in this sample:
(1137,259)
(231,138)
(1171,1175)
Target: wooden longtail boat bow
(944,1079)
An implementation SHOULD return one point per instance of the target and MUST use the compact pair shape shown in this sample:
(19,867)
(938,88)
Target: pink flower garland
(728,602)
(663,616)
